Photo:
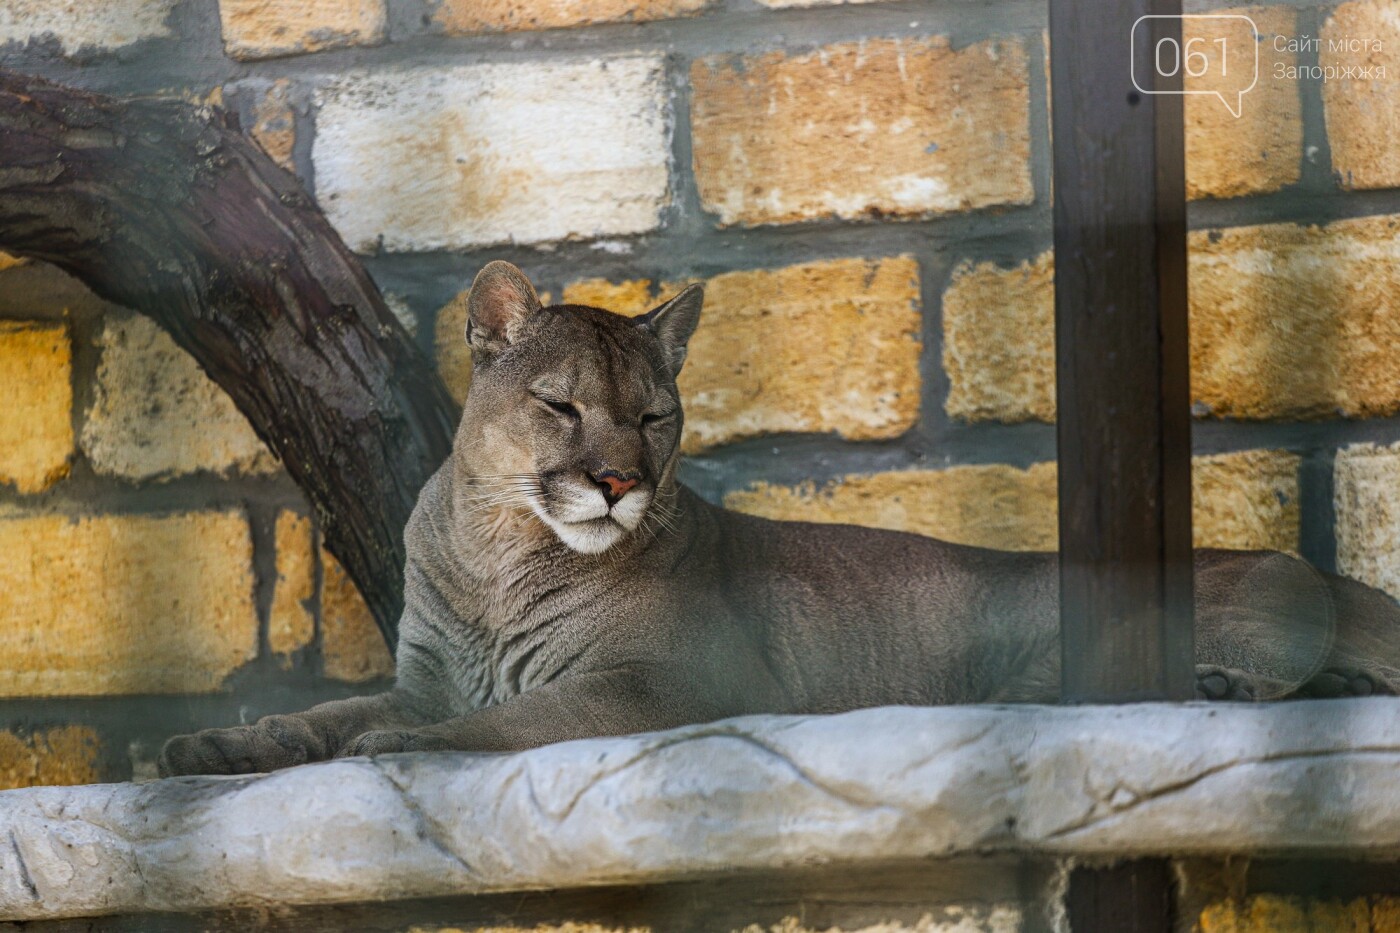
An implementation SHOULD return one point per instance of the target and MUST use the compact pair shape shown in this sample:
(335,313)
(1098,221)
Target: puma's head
(572,412)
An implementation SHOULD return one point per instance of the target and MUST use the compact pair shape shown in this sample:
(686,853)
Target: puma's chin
(593,536)
(586,524)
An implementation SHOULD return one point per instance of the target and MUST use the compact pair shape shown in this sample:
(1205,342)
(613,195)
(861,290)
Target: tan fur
(539,610)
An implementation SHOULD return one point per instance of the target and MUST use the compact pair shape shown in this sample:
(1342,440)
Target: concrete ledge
(1318,778)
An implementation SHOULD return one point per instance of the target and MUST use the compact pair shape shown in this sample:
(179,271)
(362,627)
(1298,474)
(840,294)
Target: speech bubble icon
(1217,55)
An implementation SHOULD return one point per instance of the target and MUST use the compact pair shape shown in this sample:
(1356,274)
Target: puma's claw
(388,741)
(1219,683)
(1345,682)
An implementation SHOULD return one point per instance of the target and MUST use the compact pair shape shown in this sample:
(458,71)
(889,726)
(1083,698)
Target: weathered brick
(467,17)
(60,755)
(630,297)
(1274,913)
(784,137)
(990,505)
(1260,150)
(1385,914)
(823,346)
(156,415)
(950,918)
(785,4)
(1241,500)
(1246,500)
(454,357)
(124,603)
(269,28)
(1367,526)
(36,421)
(999,341)
(1287,321)
(352,649)
(1360,114)
(1295,321)
(494,153)
(291,624)
(84,24)
(274,122)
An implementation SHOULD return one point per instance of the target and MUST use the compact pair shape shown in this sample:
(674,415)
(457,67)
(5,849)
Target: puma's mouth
(590,536)
(584,519)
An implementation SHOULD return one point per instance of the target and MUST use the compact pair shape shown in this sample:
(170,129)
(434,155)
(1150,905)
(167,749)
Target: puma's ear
(674,322)
(501,300)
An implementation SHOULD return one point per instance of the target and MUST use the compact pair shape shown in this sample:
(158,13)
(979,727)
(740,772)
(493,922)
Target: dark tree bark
(166,208)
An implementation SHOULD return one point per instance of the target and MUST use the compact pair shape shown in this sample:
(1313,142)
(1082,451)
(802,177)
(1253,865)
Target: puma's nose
(614,484)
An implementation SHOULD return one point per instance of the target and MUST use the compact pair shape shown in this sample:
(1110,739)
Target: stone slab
(766,792)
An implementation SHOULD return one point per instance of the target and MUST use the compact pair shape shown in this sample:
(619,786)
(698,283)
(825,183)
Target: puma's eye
(563,408)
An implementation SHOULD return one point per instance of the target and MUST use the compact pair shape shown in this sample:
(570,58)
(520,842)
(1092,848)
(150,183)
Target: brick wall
(865,190)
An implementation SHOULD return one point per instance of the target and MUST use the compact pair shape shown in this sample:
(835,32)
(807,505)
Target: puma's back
(559,538)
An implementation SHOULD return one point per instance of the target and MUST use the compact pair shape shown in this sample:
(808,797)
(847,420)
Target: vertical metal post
(1123,395)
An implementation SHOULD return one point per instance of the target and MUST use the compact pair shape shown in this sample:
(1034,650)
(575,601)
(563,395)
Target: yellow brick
(1272,913)
(1297,322)
(1261,149)
(1242,500)
(632,297)
(1385,915)
(567,926)
(351,646)
(876,128)
(155,414)
(999,341)
(291,625)
(1246,500)
(1287,321)
(274,123)
(785,4)
(124,603)
(824,346)
(36,421)
(1361,114)
(993,506)
(62,755)
(999,918)
(466,17)
(268,28)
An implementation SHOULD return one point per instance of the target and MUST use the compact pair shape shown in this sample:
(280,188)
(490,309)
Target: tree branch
(166,208)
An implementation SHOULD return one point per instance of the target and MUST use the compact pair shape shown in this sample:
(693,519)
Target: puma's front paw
(274,742)
(1223,683)
(387,741)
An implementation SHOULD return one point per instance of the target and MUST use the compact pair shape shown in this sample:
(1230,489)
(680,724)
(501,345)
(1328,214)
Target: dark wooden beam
(1121,362)
(1130,897)
(1122,370)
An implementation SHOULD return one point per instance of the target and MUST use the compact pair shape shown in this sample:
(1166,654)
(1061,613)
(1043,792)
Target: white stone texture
(760,792)
(156,415)
(494,153)
(1365,477)
(80,24)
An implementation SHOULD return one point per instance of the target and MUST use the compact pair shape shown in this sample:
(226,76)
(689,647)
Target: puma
(561,583)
